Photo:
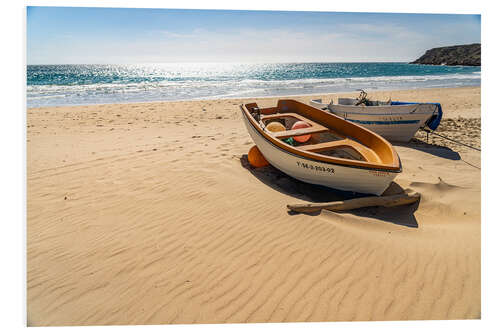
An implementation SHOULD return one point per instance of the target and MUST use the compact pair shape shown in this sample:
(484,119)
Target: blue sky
(71,35)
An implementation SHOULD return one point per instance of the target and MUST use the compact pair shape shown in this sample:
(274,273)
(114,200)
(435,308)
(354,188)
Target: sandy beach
(149,213)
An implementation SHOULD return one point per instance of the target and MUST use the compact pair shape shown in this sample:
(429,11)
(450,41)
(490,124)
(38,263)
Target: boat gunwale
(396,167)
(379,106)
(367,108)
(387,114)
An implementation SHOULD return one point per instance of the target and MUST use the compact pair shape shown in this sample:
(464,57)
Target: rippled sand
(148,213)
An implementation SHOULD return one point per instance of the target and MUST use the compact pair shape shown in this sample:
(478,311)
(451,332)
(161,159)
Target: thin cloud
(208,39)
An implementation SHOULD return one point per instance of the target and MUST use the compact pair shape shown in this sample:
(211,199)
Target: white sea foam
(115,92)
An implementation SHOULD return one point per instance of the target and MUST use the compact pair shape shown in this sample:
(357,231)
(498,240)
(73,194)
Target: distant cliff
(465,55)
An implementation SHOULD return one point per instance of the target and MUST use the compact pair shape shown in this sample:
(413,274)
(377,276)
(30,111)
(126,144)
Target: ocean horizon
(62,85)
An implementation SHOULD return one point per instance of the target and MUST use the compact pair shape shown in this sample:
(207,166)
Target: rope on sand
(444,137)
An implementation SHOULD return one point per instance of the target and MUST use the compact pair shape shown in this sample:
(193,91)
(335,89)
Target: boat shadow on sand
(281,182)
(433,149)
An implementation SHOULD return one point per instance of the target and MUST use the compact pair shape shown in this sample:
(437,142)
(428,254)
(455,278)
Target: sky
(76,35)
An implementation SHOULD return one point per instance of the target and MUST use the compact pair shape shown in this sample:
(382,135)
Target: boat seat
(300,131)
(315,127)
(368,154)
(289,114)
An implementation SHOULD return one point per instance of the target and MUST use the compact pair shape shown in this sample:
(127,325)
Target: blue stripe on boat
(375,122)
(434,121)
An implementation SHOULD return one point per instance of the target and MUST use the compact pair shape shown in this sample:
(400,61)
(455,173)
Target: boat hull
(345,178)
(396,123)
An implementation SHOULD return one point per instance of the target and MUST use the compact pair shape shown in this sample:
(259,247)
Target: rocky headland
(458,55)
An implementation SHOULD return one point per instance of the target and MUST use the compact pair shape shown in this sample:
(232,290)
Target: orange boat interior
(331,137)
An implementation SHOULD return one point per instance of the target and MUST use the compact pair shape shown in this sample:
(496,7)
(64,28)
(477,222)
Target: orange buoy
(301,138)
(256,158)
(275,127)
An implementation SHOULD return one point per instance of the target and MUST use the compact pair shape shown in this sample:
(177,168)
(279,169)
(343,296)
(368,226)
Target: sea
(58,85)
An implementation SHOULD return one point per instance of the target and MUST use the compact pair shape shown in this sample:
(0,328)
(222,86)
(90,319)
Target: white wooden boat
(340,154)
(395,121)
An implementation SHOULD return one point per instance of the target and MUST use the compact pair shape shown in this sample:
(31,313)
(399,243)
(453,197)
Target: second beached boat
(336,153)
(395,121)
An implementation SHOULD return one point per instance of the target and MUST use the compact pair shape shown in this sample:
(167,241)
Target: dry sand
(148,213)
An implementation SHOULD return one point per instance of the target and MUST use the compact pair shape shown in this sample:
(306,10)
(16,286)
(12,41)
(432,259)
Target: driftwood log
(406,198)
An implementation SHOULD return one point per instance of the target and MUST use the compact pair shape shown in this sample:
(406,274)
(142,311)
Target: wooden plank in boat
(289,114)
(300,131)
(367,153)
(315,127)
